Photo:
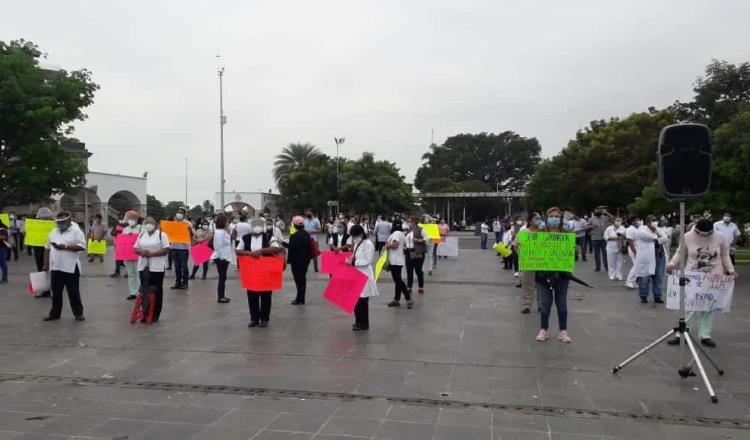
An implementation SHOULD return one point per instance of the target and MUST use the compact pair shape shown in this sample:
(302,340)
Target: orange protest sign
(261,274)
(177,232)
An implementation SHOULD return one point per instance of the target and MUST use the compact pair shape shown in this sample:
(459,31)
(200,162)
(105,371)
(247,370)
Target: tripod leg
(642,351)
(702,371)
(710,360)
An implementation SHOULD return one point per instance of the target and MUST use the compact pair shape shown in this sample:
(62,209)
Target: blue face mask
(553,221)
(539,223)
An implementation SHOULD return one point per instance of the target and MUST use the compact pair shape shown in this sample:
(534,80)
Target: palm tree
(293,157)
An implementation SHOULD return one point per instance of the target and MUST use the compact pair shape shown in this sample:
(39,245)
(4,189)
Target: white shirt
(65,261)
(256,243)
(485,228)
(611,232)
(396,256)
(153,242)
(241,229)
(363,260)
(410,240)
(728,231)
(222,246)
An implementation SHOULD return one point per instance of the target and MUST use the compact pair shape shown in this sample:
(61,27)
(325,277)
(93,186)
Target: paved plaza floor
(463,364)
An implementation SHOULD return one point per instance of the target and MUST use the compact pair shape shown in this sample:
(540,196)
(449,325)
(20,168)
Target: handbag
(314,249)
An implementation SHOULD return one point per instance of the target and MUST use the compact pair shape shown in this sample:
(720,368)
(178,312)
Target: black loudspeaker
(685,161)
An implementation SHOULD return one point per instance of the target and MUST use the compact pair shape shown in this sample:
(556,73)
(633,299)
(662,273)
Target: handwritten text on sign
(705,292)
(552,251)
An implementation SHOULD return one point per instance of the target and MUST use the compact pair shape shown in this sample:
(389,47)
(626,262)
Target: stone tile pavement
(461,365)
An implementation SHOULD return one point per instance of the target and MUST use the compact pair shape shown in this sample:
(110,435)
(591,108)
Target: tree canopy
(36,108)
(293,157)
(365,185)
(505,160)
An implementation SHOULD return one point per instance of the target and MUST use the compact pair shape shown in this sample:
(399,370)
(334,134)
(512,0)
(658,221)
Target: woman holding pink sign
(363,259)
(203,234)
(131,267)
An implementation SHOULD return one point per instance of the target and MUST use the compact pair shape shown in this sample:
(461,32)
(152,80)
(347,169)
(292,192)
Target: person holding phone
(61,258)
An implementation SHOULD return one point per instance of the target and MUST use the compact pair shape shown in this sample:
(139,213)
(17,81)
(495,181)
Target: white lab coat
(364,260)
(645,259)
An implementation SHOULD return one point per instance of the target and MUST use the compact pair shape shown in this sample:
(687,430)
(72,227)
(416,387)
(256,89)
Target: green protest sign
(553,251)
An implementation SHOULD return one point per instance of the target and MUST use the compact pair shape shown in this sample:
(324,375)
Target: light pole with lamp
(338,141)
(222,122)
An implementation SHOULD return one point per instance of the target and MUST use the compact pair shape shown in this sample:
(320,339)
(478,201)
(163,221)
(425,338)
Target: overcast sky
(380,73)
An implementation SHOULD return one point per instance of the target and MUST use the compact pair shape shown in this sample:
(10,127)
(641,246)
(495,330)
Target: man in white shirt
(382,232)
(731,234)
(64,244)
(630,233)
(484,230)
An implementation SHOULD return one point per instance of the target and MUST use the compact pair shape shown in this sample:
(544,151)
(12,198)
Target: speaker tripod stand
(686,340)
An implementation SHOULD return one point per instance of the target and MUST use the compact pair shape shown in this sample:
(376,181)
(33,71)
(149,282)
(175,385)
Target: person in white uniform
(61,258)
(615,237)
(152,247)
(363,259)
(730,233)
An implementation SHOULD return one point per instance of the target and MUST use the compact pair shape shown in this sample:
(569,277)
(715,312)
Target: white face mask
(637,223)
(654,225)
(406,228)
(150,227)
(179,216)
(204,227)
(519,223)
(356,240)
(727,219)
(132,221)
(257,230)
(618,223)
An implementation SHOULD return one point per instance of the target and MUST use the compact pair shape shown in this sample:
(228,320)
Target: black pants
(300,280)
(152,282)
(119,264)
(259,304)
(39,257)
(379,246)
(414,265)
(195,270)
(600,254)
(60,280)
(221,267)
(399,285)
(180,260)
(514,260)
(362,313)
(18,245)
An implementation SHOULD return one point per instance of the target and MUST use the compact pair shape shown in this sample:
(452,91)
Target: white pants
(631,275)
(615,260)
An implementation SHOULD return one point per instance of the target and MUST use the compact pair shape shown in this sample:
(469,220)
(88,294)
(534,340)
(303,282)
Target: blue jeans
(484,241)
(4,262)
(180,261)
(656,280)
(600,253)
(556,289)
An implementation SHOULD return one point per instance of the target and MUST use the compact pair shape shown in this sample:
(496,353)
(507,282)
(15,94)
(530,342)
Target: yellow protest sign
(37,231)
(432,231)
(97,247)
(381,262)
(5,218)
(546,251)
(502,249)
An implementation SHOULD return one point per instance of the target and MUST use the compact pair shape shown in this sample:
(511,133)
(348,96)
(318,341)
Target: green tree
(293,157)
(208,207)
(609,162)
(170,209)
(310,185)
(370,186)
(720,95)
(36,108)
(155,207)
(506,160)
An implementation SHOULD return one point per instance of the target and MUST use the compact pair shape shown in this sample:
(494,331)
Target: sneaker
(658,301)
(409,304)
(630,285)
(263,324)
(394,304)
(564,337)
(708,342)
(542,336)
(515,274)
(525,310)
(130,297)
(253,324)
(644,301)
(80,318)
(224,300)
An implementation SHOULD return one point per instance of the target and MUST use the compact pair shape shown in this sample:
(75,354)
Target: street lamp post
(338,141)
(222,122)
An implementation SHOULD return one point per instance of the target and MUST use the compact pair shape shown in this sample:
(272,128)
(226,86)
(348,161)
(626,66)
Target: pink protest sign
(330,261)
(345,287)
(201,253)
(124,250)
